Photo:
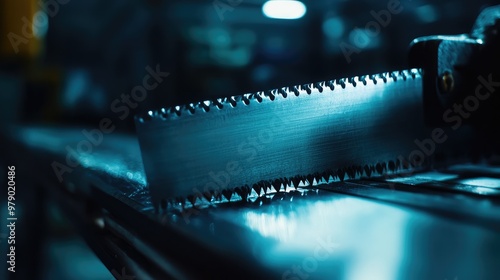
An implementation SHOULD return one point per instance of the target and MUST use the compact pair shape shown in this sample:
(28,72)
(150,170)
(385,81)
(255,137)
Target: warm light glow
(284,9)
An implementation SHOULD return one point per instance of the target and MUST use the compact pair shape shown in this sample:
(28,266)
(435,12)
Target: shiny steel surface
(334,236)
(315,234)
(285,133)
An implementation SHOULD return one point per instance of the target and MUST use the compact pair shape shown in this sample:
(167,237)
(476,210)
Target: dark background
(94,51)
(87,53)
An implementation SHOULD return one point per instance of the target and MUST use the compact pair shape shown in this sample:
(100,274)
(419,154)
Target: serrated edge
(266,188)
(227,103)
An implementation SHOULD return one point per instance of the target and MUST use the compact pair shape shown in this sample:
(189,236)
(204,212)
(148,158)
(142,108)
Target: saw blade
(275,139)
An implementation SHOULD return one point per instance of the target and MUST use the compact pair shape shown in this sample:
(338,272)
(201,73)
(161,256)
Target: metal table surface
(408,228)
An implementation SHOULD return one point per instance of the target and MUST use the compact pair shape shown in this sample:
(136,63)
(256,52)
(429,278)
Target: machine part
(456,66)
(241,146)
(252,144)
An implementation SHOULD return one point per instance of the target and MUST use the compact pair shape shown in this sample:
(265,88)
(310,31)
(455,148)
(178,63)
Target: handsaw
(299,136)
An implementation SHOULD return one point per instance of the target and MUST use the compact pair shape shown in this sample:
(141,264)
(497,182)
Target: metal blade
(269,140)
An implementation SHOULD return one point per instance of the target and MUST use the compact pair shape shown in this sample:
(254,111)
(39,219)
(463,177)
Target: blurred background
(66,61)
(73,62)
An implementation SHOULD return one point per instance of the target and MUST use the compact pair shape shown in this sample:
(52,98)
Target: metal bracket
(452,67)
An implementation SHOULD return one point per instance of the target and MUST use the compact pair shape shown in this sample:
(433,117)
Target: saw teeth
(286,183)
(272,190)
(232,101)
(253,192)
(362,79)
(379,168)
(263,187)
(218,196)
(306,88)
(359,170)
(317,177)
(392,166)
(351,173)
(341,82)
(191,199)
(246,192)
(394,76)
(227,194)
(403,74)
(177,110)
(190,108)
(256,188)
(238,99)
(368,170)
(270,95)
(299,181)
(340,174)
(384,167)
(267,186)
(414,73)
(318,87)
(166,114)
(330,84)
(245,99)
(179,201)
(383,76)
(309,180)
(258,97)
(218,103)
(283,92)
(352,81)
(243,192)
(276,185)
(208,196)
(238,191)
(303,180)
